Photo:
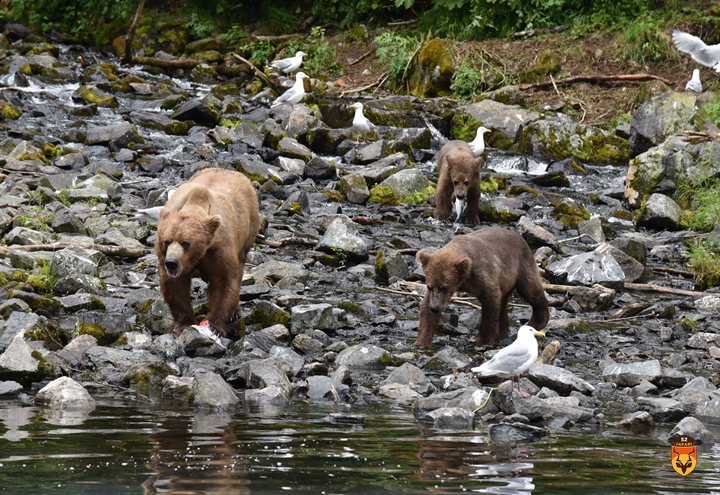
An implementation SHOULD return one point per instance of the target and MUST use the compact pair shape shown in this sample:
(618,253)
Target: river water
(131,448)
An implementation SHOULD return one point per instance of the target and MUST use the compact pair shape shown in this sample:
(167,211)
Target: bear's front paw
(235,316)
(218,329)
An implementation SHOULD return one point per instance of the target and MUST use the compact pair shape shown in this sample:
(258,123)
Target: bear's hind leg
(176,293)
(223,296)
(534,294)
(489,321)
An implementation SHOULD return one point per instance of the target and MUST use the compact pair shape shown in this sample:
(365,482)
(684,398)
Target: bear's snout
(173,268)
(435,309)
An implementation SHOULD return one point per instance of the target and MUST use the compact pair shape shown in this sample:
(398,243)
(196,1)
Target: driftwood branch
(119,251)
(363,88)
(420,296)
(128,56)
(596,79)
(664,290)
(256,71)
(674,271)
(271,39)
(363,56)
(178,63)
(290,241)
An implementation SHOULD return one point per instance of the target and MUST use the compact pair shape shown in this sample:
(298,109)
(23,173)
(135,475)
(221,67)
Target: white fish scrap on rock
(204,329)
(694,84)
(290,64)
(708,55)
(512,360)
(294,94)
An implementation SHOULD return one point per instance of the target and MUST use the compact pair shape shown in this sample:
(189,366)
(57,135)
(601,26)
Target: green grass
(395,49)
(704,262)
(702,205)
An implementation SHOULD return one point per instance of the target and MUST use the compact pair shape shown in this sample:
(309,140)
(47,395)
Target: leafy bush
(705,262)
(704,206)
(396,49)
(466,82)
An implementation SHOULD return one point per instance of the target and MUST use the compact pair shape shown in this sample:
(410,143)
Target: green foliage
(38,219)
(704,205)
(44,282)
(63,197)
(418,197)
(647,41)
(209,18)
(395,49)
(466,82)
(340,254)
(80,17)
(704,262)
(348,14)
(234,35)
(711,110)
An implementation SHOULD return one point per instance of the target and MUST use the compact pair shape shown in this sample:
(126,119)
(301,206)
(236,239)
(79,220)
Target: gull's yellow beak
(541,334)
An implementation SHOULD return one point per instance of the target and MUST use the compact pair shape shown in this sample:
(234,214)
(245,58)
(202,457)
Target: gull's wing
(507,362)
(286,96)
(696,48)
(282,64)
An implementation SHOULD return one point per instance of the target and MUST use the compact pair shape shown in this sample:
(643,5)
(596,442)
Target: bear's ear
(424,258)
(462,268)
(212,224)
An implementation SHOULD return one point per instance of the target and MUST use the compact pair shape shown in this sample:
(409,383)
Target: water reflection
(193,455)
(15,418)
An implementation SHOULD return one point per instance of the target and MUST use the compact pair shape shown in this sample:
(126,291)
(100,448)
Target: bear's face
(464,173)
(443,276)
(182,240)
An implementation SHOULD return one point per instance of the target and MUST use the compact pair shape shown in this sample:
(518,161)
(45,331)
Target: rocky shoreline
(83,148)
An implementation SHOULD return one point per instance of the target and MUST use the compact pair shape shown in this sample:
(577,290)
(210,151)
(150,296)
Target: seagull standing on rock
(294,94)
(701,53)
(478,144)
(513,359)
(290,64)
(360,122)
(694,84)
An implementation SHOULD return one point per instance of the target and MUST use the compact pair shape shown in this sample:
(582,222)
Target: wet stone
(450,418)
(10,389)
(513,433)
(64,393)
(694,428)
(321,387)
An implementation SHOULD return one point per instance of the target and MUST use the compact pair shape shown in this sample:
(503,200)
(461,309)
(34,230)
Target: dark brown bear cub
(209,224)
(489,264)
(459,171)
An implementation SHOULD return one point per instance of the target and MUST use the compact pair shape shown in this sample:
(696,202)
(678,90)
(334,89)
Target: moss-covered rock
(556,140)
(92,94)
(383,195)
(267,314)
(431,71)
(660,117)
(548,63)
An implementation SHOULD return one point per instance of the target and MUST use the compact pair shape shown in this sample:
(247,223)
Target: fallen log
(118,251)
(596,79)
(547,356)
(290,241)
(178,63)
(664,290)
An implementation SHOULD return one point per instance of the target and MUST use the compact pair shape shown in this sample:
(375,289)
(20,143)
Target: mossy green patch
(332,195)
(489,185)
(548,63)
(463,126)
(418,197)
(349,306)
(43,364)
(383,195)
(10,112)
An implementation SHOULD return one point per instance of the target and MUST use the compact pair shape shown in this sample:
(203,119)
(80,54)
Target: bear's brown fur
(459,171)
(209,224)
(489,264)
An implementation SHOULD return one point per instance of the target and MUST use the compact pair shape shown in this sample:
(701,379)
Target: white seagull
(360,122)
(290,64)
(513,359)
(701,53)
(152,214)
(694,84)
(478,144)
(294,94)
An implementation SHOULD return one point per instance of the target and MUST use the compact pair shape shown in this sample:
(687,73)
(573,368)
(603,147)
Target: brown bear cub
(209,225)
(489,264)
(459,171)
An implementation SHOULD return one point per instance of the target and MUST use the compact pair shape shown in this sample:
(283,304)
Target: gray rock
(663,410)
(320,387)
(342,237)
(708,411)
(631,267)
(412,376)
(533,408)
(260,340)
(447,359)
(638,420)
(120,135)
(499,210)
(252,166)
(390,264)
(269,396)
(210,391)
(694,428)
(197,111)
(654,170)
(65,393)
(366,154)
(178,388)
(65,221)
(535,235)
(398,392)
(587,269)
(406,181)
(294,166)
(277,270)
(593,229)
(592,299)
(296,203)
(631,374)
(67,262)
(20,362)
(320,169)
(507,119)
(17,324)
(25,236)
(355,188)
(263,373)
(469,398)
(290,148)
(559,379)
(307,345)
(362,357)
(514,433)
(101,356)
(74,351)
(659,117)
(661,213)
(10,389)
(311,316)
(708,304)
(288,356)
(451,418)
(385,167)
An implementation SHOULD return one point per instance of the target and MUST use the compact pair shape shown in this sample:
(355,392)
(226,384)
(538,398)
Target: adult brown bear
(459,171)
(209,225)
(489,264)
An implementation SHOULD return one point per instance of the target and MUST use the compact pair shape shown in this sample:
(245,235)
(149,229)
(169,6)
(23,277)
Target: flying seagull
(513,359)
(478,144)
(290,64)
(294,94)
(360,122)
(697,49)
(694,84)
